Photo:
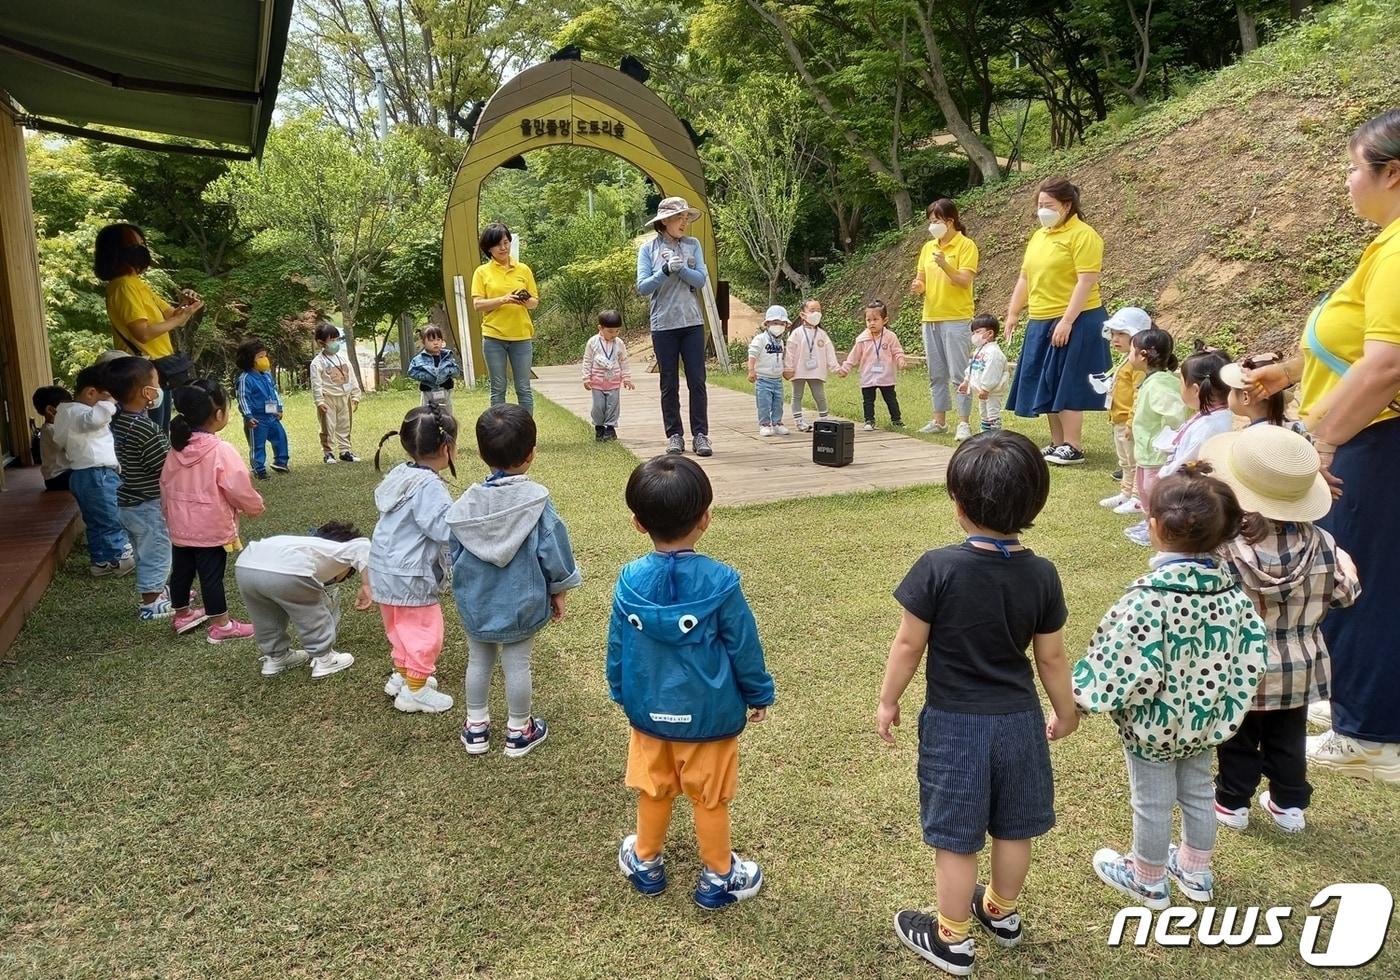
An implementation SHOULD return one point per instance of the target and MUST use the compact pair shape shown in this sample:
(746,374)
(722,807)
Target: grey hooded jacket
(406,550)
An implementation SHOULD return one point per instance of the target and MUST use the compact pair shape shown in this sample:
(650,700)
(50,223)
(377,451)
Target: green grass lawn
(165,811)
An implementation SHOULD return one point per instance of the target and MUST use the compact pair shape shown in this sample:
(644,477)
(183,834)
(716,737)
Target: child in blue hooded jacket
(686,664)
(511,567)
(261,405)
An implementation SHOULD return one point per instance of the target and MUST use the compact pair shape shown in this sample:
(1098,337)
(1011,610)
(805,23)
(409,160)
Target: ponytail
(425,430)
(197,403)
(1202,368)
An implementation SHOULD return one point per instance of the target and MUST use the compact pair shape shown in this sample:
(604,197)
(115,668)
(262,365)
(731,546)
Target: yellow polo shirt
(129,299)
(1365,307)
(512,321)
(1054,259)
(943,298)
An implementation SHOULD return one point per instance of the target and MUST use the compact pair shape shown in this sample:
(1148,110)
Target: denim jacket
(433,373)
(510,553)
(684,657)
(405,552)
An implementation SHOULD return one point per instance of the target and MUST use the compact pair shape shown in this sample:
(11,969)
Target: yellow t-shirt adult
(129,299)
(511,321)
(943,298)
(1365,307)
(1054,259)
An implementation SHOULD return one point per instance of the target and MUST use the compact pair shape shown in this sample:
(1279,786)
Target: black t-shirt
(982,609)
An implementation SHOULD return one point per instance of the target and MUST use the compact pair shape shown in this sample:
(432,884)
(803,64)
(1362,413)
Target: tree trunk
(347,330)
(1297,8)
(937,81)
(1249,34)
(903,206)
(801,282)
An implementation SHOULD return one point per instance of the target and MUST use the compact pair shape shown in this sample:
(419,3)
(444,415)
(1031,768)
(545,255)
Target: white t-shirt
(85,434)
(318,558)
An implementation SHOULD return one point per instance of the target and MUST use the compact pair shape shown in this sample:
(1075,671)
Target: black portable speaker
(833,442)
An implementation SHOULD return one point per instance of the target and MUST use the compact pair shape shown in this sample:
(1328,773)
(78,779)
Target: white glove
(675,263)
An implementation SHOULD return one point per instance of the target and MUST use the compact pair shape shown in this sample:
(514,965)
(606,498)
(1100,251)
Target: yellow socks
(996,906)
(952,932)
(414,684)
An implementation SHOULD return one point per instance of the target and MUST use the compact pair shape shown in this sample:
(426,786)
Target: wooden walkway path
(748,469)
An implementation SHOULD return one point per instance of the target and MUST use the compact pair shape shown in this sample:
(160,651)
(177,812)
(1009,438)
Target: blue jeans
(769,393)
(96,491)
(519,354)
(150,540)
(268,427)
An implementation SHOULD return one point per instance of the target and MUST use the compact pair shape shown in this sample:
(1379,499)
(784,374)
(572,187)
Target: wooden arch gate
(566,103)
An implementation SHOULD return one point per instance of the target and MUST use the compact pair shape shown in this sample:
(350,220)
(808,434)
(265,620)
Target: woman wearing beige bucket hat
(1294,573)
(671,273)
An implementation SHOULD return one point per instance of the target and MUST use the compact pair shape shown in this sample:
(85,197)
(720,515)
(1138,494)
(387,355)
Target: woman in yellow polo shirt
(505,291)
(1350,369)
(141,320)
(947,264)
(1064,341)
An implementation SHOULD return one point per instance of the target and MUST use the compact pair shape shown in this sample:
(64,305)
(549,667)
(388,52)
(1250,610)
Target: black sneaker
(260,474)
(599,433)
(349,457)
(702,445)
(1048,450)
(1116,475)
(610,433)
(919,931)
(281,468)
(1065,455)
(675,445)
(519,741)
(1006,931)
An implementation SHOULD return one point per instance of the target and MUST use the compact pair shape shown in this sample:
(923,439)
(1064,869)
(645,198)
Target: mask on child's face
(814,317)
(158,399)
(332,347)
(261,363)
(776,329)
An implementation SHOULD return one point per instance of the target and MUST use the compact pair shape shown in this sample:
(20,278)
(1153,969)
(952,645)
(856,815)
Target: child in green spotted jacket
(1175,664)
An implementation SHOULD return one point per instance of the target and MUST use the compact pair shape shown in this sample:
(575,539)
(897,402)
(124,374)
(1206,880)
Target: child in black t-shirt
(984,766)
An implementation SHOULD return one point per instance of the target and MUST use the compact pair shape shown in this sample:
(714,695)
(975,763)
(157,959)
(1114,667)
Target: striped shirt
(141,451)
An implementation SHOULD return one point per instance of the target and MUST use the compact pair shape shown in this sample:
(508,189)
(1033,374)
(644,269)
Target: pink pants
(415,634)
(1147,477)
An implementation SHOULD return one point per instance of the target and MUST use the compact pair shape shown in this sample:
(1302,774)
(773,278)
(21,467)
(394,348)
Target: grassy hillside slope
(1223,211)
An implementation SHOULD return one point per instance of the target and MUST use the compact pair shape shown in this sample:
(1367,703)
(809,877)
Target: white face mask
(1048,217)
(813,318)
(776,329)
(938,229)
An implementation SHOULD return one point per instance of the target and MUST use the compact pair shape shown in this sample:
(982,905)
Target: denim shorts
(983,774)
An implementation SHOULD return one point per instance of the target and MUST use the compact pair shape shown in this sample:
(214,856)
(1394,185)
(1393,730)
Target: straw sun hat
(671,207)
(1273,471)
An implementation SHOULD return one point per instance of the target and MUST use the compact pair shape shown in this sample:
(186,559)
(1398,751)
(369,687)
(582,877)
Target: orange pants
(707,772)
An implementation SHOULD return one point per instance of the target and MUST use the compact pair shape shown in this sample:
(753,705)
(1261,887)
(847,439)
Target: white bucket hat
(1129,320)
(671,207)
(776,314)
(1273,471)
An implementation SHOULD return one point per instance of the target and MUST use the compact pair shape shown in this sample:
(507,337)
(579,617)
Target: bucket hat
(671,207)
(1273,471)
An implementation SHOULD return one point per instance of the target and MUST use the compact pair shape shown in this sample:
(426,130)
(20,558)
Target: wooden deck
(37,529)
(748,469)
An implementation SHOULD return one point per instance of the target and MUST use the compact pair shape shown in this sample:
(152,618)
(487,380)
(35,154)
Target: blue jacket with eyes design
(684,657)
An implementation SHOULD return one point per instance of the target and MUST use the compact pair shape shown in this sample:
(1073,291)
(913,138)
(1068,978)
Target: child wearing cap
(1253,407)
(768,368)
(1294,573)
(1120,390)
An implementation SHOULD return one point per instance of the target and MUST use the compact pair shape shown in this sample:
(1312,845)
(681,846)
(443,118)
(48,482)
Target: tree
(762,159)
(339,203)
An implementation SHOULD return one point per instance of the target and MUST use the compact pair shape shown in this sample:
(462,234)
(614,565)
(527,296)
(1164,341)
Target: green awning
(204,69)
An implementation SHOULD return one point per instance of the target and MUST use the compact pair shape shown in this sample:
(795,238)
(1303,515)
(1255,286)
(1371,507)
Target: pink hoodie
(203,487)
(878,359)
(810,345)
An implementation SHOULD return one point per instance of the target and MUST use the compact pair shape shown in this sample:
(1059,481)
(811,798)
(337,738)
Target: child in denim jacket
(511,567)
(434,368)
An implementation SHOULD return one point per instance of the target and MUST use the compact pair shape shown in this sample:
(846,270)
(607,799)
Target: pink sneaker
(232,630)
(188,619)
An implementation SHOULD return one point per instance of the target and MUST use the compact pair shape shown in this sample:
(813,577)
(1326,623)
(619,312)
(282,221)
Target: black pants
(867,396)
(1272,744)
(671,348)
(209,564)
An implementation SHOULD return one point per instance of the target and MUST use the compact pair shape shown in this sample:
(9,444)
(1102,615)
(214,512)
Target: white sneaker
(1129,506)
(330,663)
(1377,761)
(272,666)
(804,426)
(1114,501)
(1234,819)
(394,684)
(964,432)
(426,699)
(933,428)
(1288,819)
(1320,714)
(870,427)
(765,430)
(781,429)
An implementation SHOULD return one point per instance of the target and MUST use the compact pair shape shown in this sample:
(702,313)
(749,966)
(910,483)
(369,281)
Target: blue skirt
(1056,379)
(1361,638)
